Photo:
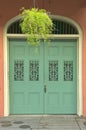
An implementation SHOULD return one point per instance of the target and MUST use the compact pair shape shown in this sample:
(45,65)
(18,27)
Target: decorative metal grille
(60,27)
(53,70)
(19,70)
(68,70)
(33,70)
(15,28)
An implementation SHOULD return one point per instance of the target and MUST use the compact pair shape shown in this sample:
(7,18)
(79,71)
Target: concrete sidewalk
(45,122)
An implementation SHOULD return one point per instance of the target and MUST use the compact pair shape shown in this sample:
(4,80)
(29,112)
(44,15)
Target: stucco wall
(1,74)
(80,17)
(75,9)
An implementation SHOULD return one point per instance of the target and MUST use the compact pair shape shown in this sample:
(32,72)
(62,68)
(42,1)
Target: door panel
(43,81)
(26,78)
(60,77)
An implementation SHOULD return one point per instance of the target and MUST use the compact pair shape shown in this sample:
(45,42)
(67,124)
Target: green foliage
(36,24)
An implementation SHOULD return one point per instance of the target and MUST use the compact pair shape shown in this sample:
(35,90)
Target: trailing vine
(36,24)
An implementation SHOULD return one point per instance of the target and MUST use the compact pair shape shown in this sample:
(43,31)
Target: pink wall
(81,19)
(1,75)
(75,9)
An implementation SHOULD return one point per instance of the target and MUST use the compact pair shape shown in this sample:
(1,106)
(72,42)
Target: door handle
(44,88)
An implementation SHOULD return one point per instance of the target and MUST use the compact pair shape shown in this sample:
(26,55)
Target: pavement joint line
(77,123)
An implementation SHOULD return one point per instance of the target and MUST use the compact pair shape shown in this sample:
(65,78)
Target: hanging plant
(36,24)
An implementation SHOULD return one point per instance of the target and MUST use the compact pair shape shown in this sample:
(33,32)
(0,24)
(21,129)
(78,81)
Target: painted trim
(79,61)
(54,36)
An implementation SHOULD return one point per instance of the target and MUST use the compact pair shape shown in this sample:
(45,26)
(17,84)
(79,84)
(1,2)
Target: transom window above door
(60,27)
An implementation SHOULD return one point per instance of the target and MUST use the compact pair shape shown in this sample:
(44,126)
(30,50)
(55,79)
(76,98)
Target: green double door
(43,82)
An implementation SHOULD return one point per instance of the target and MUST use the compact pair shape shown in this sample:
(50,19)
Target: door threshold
(45,115)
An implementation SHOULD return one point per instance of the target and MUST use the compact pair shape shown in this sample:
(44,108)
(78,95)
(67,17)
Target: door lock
(45,88)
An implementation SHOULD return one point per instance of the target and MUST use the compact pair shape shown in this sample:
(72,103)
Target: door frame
(79,61)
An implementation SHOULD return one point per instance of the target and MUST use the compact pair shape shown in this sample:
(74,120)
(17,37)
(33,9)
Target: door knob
(45,88)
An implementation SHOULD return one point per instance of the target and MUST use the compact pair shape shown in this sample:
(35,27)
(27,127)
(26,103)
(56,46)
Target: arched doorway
(66,38)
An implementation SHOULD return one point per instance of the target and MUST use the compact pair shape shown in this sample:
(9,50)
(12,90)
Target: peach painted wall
(81,19)
(74,9)
(1,75)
